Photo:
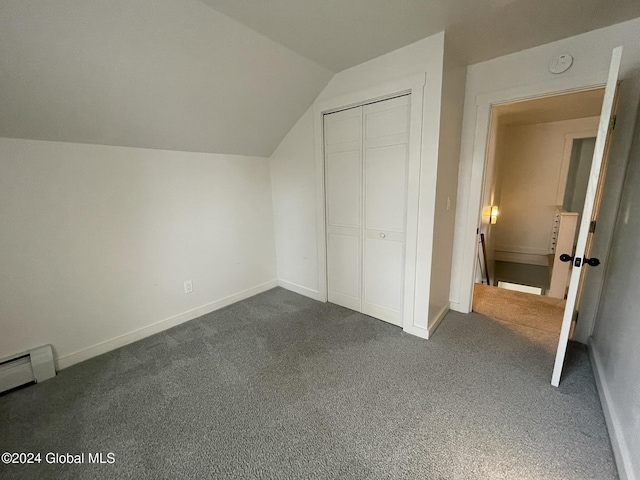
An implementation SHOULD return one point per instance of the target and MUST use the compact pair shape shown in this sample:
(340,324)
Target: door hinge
(592,227)
(576,314)
(612,122)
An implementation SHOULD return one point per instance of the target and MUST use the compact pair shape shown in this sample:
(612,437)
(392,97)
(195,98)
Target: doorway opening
(538,160)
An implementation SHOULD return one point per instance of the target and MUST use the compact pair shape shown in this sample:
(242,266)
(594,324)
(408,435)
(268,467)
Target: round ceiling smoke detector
(560,63)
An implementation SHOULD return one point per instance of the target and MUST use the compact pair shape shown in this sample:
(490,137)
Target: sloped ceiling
(231,76)
(167,74)
(342,33)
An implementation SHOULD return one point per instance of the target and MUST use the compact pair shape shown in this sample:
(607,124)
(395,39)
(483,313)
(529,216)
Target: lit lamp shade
(494,215)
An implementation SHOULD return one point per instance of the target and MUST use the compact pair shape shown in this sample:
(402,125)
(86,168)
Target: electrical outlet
(188,286)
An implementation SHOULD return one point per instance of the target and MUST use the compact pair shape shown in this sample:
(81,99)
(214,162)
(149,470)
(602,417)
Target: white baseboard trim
(526,258)
(522,249)
(458,307)
(439,317)
(417,331)
(294,287)
(130,337)
(620,449)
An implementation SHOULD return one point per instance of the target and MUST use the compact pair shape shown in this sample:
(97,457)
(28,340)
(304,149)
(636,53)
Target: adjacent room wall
(97,242)
(616,339)
(529,172)
(578,174)
(516,73)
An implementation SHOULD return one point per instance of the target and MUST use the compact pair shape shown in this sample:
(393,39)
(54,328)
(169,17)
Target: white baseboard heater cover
(36,365)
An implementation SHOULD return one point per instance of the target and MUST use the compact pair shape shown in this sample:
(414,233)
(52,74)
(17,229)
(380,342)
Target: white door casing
(472,215)
(587,212)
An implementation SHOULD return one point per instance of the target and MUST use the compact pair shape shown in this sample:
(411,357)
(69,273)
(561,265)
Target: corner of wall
(621,451)
(452,105)
(293,190)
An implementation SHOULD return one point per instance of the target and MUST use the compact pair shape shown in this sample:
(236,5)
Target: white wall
(616,338)
(97,242)
(168,74)
(293,177)
(578,175)
(453,86)
(517,74)
(293,180)
(530,182)
(423,56)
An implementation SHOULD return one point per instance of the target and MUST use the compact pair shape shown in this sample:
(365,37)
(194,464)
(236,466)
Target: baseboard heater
(36,365)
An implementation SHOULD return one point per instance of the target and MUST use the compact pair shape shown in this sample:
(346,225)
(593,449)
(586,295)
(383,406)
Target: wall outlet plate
(188,286)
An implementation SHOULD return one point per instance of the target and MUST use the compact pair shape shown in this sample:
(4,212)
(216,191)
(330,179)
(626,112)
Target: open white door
(578,259)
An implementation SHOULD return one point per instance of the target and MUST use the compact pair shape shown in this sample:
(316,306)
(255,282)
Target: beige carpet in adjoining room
(534,311)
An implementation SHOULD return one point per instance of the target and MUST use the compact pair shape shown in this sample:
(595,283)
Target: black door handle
(592,262)
(565,257)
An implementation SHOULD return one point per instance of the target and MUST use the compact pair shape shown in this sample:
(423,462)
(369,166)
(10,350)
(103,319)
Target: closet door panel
(386,122)
(343,175)
(383,267)
(343,192)
(385,151)
(344,270)
(344,127)
(385,187)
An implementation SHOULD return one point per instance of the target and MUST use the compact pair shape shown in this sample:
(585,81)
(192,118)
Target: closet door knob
(382,235)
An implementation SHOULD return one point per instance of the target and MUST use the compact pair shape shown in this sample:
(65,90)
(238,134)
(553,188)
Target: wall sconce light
(494,215)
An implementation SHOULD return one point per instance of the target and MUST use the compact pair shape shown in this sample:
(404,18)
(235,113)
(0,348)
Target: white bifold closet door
(366,156)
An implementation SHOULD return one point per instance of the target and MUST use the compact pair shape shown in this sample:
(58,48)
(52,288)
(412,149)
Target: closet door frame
(414,86)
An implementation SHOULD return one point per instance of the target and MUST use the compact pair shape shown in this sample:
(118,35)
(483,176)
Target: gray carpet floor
(281,386)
